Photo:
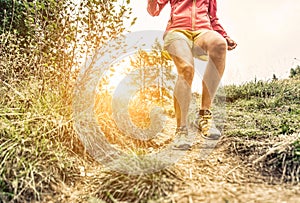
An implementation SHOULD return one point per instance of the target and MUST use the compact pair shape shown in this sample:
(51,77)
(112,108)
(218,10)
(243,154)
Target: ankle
(203,112)
(181,127)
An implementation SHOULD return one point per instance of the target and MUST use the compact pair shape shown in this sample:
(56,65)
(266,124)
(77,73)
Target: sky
(267,33)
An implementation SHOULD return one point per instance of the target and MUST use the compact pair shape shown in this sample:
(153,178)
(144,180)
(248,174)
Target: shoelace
(204,121)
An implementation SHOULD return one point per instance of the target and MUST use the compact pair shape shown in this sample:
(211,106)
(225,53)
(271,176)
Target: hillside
(257,159)
(42,157)
(263,123)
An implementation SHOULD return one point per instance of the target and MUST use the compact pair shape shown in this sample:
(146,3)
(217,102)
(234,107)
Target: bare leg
(216,47)
(183,59)
(182,92)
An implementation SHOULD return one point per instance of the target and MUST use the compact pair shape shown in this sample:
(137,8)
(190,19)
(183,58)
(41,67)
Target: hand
(231,44)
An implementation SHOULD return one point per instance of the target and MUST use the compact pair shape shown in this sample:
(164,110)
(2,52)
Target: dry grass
(143,188)
(140,116)
(35,143)
(274,156)
(39,163)
(219,178)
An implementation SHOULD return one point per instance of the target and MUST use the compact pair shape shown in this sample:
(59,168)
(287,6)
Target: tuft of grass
(35,132)
(263,121)
(285,91)
(115,187)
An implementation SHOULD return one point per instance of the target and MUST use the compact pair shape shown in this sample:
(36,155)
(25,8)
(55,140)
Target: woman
(193,30)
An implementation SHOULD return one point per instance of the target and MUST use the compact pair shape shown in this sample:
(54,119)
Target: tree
(12,17)
(153,68)
(274,78)
(47,39)
(295,72)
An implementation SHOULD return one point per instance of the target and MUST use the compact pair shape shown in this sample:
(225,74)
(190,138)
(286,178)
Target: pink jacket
(189,14)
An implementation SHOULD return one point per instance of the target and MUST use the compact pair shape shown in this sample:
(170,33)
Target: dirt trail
(225,178)
(220,177)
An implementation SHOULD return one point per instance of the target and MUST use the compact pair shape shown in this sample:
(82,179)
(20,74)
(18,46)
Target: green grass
(263,120)
(35,132)
(264,107)
(38,145)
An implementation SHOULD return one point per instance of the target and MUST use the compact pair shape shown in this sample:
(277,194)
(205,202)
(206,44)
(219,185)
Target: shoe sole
(208,138)
(185,147)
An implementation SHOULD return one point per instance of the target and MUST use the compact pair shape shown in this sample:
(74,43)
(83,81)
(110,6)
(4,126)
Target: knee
(218,47)
(187,73)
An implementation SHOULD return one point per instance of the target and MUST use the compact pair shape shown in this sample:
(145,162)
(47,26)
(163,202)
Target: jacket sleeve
(155,6)
(214,19)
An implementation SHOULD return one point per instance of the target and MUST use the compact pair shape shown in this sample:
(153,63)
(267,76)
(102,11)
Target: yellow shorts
(189,37)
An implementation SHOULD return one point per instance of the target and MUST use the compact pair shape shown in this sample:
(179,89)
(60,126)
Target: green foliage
(12,16)
(58,36)
(274,77)
(274,93)
(31,158)
(261,115)
(297,149)
(295,72)
(41,45)
(266,107)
